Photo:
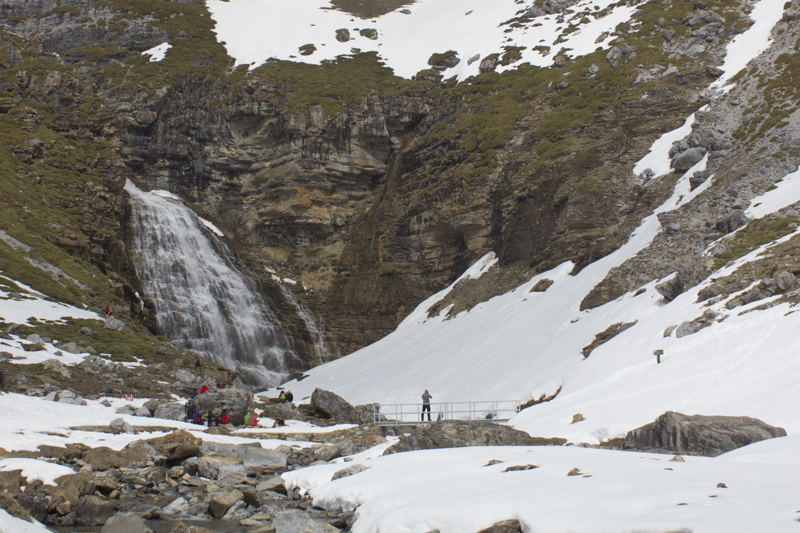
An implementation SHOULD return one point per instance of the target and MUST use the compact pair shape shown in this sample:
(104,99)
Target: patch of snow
(157,53)
(10,524)
(786,192)
(34,469)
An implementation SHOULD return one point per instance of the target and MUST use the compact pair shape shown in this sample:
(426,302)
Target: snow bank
(456,490)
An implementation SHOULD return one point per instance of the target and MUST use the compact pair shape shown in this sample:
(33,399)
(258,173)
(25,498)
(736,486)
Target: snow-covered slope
(524,344)
(256,30)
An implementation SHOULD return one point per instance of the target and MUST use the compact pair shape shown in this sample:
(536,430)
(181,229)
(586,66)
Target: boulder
(686,160)
(153,404)
(214,466)
(113,323)
(785,280)
(57,367)
(458,433)
(220,502)
(139,454)
(176,445)
(170,411)
(350,471)
(699,435)
(142,411)
(180,527)
(11,480)
(71,487)
(275,484)
(333,406)
(120,426)
(121,523)
(237,401)
(185,376)
(93,511)
(251,454)
(178,506)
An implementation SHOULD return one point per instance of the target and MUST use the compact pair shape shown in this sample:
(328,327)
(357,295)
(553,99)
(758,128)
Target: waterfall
(318,338)
(202,298)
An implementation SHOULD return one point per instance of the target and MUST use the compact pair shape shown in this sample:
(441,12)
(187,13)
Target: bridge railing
(407,414)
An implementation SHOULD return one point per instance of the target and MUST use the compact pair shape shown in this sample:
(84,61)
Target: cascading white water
(320,346)
(201,298)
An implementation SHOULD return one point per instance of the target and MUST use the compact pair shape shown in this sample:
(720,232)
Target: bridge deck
(409,414)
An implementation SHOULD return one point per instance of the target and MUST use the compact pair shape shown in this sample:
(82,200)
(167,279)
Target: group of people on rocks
(210,419)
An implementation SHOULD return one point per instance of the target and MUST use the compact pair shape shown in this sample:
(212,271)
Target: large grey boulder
(458,433)
(220,502)
(333,406)
(170,411)
(686,160)
(251,454)
(120,523)
(113,323)
(214,466)
(699,435)
(294,521)
(237,402)
(176,445)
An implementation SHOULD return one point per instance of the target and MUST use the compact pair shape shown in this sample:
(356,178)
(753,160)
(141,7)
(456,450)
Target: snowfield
(456,490)
(256,30)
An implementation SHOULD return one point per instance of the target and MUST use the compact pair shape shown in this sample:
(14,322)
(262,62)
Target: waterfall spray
(202,299)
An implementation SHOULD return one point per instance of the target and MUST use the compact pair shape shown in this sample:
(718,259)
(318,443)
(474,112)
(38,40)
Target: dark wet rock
(12,507)
(699,435)
(34,504)
(457,433)
(93,511)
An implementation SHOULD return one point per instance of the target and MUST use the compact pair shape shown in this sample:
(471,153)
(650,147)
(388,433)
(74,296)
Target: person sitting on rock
(253,422)
(246,419)
(224,418)
(204,389)
(282,396)
(289,396)
(108,311)
(196,416)
(210,420)
(279,423)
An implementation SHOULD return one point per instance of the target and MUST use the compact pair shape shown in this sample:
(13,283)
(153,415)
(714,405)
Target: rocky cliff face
(374,192)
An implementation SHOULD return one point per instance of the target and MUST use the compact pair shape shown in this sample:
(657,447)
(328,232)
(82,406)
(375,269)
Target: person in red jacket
(224,418)
(253,422)
(204,389)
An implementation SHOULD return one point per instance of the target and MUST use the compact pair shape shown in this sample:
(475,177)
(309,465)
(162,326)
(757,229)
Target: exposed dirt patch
(365,9)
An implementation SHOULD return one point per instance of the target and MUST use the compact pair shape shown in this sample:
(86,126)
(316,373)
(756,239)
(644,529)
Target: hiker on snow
(426,405)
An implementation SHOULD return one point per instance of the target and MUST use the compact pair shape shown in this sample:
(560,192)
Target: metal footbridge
(411,414)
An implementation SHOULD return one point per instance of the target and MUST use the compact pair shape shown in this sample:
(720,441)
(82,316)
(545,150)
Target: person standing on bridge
(426,405)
